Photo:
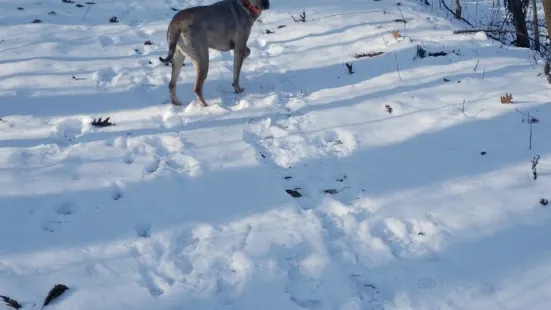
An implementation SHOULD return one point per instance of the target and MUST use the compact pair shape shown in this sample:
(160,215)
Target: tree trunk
(536,26)
(457,6)
(547,11)
(519,20)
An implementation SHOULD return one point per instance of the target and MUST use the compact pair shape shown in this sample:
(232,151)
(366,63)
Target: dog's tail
(172,37)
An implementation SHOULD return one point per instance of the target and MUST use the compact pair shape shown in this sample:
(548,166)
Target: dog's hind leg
(202,69)
(198,52)
(177,61)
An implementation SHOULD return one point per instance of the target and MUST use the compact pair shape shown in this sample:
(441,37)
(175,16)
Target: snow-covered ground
(431,206)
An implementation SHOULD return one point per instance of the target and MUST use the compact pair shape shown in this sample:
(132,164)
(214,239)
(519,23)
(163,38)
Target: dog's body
(223,26)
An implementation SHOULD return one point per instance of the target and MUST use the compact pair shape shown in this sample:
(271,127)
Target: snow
(186,207)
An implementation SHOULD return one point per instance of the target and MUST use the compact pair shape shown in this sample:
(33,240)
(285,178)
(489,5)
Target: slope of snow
(186,207)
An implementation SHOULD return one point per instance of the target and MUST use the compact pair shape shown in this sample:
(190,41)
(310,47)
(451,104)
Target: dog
(224,25)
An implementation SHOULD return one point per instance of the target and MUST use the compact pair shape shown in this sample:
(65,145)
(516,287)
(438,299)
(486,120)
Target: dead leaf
(294,193)
(508,98)
(11,302)
(102,123)
(54,293)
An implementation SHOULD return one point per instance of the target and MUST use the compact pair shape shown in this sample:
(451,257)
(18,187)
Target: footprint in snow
(300,289)
(152,166)
(143,230)
(66,208)
(117,190)
(338,142)
(105,41)
(128,158)
(149,266)
(61,215)
(120,141)
(51,226)
(275,49)
(105,78)
(67,131)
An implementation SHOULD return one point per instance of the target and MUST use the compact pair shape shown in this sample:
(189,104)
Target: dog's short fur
(223,26)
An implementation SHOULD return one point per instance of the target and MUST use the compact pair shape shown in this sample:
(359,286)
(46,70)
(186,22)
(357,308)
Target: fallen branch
(484,30)
(497,31)
(367,55)
(530,124)
(397,66)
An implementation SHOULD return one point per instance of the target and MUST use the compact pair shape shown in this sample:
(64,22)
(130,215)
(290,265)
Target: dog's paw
(237,89)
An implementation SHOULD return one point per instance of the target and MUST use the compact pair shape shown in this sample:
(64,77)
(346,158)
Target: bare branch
(451,11)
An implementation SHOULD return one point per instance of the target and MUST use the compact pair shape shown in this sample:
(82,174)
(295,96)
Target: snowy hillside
(404,185)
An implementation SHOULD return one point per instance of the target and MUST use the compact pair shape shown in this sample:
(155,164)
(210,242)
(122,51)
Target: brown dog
(223,26)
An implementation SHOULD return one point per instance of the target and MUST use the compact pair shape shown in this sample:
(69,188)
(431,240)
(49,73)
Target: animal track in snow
(172,119)
(143,230)
(367,294)
(67,130)
(105,41)
(275,49)
(282,139)
(150,255)
(106,78)
(338,142)
(301,289)
(164,154)
(128,158)
(121,142)
(148,279)
(61,213)
(51,225)
(66,208)
(117,190)
(406,239)
(153,165)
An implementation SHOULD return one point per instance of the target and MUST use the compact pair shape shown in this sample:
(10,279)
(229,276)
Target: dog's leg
(177,61)
(247,52)
(202,70)
(198,51)
(239,53)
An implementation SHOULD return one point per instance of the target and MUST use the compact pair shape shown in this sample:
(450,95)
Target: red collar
(251,7)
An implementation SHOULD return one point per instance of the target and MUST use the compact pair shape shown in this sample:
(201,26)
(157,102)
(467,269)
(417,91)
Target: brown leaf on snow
(508,98)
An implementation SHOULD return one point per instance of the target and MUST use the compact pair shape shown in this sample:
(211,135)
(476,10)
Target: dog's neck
(252,9)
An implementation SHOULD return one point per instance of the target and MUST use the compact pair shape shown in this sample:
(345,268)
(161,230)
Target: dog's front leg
(239,53)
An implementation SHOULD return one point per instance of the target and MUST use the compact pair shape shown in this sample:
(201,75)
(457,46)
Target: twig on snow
(397,66)
(534,162)
(88,9)
(531,119)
